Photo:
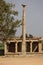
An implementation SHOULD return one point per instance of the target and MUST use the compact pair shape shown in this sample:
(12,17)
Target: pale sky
(34,16)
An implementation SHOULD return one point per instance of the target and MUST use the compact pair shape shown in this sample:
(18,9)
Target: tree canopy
(27,36)
(8,24)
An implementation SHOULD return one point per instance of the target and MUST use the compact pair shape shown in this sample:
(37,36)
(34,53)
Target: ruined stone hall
(22,46)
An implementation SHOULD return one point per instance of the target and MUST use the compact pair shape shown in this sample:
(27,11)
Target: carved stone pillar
(16,47)
(40,47)
(24,30)
(5,48)
(31,47)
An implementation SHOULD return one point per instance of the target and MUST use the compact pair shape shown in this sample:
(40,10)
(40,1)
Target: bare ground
(21,60)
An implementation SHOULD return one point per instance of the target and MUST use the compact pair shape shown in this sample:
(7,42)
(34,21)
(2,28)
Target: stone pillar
(40,47)
(31,47)
(16,47)
(23,30)
(5,48)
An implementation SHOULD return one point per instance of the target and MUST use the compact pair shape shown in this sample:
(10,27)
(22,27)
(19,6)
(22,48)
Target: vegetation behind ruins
(8,24)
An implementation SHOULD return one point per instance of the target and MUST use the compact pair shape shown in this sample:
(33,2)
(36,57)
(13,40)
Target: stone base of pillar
(24,49)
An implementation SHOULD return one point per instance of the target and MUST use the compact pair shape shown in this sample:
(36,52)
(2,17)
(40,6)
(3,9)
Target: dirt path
(31,60)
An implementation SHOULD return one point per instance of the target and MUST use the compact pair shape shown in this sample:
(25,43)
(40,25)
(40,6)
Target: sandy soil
(28,60)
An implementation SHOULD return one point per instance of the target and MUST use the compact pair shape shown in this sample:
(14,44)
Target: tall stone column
(23,30)
(40,47)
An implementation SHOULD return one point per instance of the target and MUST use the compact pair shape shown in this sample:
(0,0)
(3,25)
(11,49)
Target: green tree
(30,36)
(8,24)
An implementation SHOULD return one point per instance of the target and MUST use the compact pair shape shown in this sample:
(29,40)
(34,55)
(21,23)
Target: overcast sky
(34,16)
